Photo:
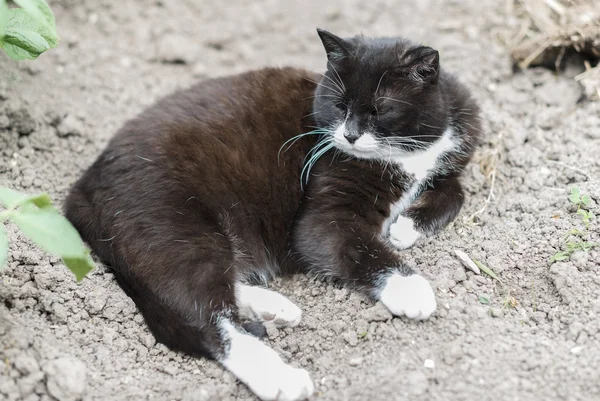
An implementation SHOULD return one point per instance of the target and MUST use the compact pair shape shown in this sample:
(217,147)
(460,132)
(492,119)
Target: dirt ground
(68,341)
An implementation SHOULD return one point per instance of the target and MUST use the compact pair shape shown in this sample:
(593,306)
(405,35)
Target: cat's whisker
(294,139)
(315,96)
(430,126)
(379,83)
(335,83)
(316,152)
(391,99)
(323,85)
(338,75)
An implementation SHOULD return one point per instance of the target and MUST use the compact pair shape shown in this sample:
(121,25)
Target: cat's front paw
(410,296)
(403,233)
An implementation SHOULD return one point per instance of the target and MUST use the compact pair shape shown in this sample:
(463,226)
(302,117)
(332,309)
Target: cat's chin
(371,153)
(360,154)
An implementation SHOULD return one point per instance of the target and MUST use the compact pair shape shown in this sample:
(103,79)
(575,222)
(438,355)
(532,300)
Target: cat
(222,186)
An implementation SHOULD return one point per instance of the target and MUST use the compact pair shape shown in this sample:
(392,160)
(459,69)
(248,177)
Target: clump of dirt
(67,341)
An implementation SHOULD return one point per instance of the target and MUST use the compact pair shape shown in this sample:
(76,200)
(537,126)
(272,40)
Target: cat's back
(225,109)
(216,128)
(212,148)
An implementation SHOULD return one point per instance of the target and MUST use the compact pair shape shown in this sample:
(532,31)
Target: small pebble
(429,363)
(355,361)
(495,312)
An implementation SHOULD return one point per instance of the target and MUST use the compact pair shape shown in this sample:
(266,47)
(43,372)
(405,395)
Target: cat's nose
(351,136)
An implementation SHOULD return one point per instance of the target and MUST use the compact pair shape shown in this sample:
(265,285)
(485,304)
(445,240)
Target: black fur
(194,194)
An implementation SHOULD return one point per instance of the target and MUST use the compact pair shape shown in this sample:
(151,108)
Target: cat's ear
(337,49)
(423,64)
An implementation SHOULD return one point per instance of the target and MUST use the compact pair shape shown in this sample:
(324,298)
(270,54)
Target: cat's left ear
(337,48)
(424,64)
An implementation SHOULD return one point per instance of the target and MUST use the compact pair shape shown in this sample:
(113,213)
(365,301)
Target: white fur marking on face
(262,370)
(338,134)
(366,142)
(403,233)
(410,296)
(256,303)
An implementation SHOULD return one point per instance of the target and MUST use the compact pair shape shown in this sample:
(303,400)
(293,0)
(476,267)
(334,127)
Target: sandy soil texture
(538,339)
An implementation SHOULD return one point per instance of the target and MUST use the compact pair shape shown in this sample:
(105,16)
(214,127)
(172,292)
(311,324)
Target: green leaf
(49,230)
(80,266)
(3,18)
(559,256)
(585,215)
(486,269)
(25,37)
(484,299)
(40,10)
(585,199)
(574,196)
(3,246)
(11,199)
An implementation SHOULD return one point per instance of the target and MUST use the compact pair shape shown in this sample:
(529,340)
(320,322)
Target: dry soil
(538,339)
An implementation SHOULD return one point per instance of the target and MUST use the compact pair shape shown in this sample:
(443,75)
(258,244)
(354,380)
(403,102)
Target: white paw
(410,296)
(262,370)
(402,233)
(257,303)
(285,383)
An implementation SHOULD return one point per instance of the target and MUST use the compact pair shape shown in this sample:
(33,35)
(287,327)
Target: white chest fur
(421,165)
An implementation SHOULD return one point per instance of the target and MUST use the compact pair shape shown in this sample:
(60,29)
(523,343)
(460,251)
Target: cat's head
(380,96)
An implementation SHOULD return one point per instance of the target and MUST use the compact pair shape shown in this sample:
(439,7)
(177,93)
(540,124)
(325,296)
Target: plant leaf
(3,18)
(25,37)
(484,299)
(49,230)
(585,199)
(574,196)
(559,256)
(486,269)
(11,199)
(80,266)
(40,10)
(3,245)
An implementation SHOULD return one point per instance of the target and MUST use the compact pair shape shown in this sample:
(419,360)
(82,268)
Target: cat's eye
(340,106)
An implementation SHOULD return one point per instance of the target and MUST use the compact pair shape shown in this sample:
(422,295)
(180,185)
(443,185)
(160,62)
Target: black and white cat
(222,186)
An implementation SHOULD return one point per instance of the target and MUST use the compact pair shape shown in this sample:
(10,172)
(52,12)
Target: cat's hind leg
(261,369)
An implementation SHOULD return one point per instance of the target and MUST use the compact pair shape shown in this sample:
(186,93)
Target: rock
(70,126)
(66,378)
(355,361)
(429,363)
(272,331)
(59,312)
(96,300)
(26,364)
(351,338)
(147,339)
(377,313)
(495,312)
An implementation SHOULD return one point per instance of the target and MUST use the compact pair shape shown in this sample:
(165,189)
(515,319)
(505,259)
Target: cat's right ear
(337,49)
